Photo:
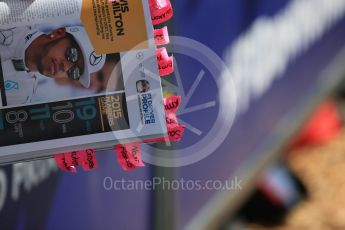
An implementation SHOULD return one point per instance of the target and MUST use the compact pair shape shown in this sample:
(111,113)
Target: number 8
(16,116)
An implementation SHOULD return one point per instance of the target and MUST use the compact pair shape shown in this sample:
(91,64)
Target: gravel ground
(322,170)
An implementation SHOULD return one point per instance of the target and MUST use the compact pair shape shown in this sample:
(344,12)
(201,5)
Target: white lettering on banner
(30,175)
(263,53)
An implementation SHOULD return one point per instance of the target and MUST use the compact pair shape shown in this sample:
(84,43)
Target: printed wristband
(60,160)
(84,158)
(166,67)
(88,159)
(171,104)
(161,36)
(161,11)
(129,155)
(162,55)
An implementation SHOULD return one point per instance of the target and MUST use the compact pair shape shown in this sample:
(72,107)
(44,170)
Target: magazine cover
(72,76)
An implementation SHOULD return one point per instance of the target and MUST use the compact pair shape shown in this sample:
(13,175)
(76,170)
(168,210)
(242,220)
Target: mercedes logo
(95,59)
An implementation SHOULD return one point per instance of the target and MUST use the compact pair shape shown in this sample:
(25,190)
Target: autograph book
(76,74)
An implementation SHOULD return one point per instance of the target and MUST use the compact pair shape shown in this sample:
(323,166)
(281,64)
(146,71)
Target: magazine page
(70,75)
